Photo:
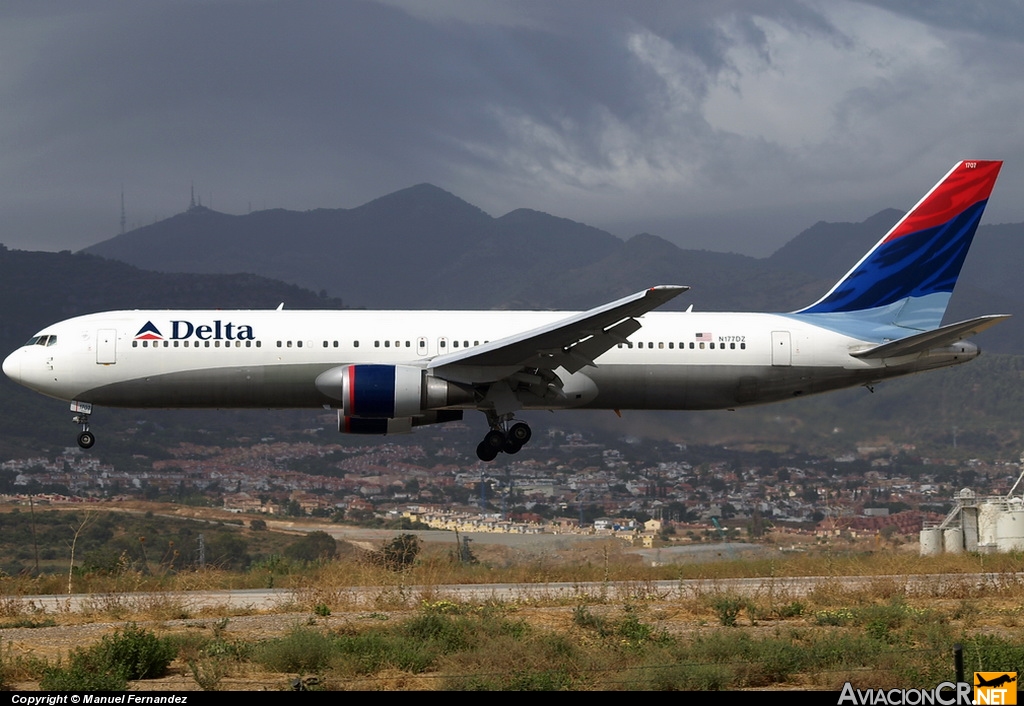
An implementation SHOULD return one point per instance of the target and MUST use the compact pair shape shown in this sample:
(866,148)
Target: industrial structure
(979,524)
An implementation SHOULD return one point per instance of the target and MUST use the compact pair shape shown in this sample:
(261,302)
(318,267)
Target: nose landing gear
(499,438)
(83,409)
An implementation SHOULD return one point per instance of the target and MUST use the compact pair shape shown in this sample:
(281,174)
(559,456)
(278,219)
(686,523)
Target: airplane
(999,681)
(386,372)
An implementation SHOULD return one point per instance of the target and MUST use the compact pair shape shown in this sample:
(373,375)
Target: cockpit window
(42,341)
(52,341)
(32,341)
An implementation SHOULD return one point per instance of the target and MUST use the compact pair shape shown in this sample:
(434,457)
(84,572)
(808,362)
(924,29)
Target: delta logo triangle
(149,332)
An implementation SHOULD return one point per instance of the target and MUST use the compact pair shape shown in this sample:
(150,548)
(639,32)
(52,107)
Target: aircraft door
(106,346)
(421,346)
(782,348)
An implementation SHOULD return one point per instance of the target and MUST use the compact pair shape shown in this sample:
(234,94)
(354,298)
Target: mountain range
(424,248)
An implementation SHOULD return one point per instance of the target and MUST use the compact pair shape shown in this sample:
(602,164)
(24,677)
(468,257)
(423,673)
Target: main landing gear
(83,409)
(500,438)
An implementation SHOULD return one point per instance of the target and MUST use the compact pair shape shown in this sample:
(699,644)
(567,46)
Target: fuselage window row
(701,345)
(195,344)
(661,345)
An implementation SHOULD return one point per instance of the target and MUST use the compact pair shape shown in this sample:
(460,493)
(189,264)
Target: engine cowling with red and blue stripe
(390,399)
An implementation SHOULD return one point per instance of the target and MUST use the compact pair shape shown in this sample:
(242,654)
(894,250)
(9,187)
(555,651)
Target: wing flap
(942,336)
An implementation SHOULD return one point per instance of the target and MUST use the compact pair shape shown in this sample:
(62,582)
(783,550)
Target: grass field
(888,631)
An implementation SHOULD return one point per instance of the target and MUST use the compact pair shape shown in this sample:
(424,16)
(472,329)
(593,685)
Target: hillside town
(567,482)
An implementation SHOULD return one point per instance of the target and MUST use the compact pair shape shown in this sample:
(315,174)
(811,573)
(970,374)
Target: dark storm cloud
(663,116)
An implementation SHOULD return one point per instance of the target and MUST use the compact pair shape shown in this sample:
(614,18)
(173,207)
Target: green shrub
(130,653)
(582,617)
(78,676)
(136,653)
(728,608)
(791,610)
(375,650)
(208,671)
(443,631)
(301,651)
(631,629)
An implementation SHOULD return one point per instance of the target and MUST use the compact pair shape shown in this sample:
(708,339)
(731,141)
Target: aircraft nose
(12,366)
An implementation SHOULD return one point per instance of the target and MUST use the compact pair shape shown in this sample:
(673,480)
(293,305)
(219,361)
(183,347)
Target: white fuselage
(681,360)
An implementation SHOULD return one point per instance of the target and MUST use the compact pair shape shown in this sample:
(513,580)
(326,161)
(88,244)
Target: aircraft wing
(572,343)
(942,336)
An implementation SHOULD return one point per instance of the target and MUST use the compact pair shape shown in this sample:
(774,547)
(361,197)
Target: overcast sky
(716,124)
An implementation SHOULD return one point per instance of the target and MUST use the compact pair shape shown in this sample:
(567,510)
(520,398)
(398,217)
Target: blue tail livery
(907,278)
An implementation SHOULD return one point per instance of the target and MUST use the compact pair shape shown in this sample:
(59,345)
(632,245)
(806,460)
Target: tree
(315,546)
(398,554)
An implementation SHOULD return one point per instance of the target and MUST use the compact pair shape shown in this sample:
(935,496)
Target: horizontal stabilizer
(942,336)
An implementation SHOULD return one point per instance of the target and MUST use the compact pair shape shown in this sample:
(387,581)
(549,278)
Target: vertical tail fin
(907,278)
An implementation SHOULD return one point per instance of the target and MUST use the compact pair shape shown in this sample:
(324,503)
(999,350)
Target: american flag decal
(703,336)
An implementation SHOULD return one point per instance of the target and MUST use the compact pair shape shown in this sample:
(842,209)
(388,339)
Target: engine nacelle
(388,391)
(402,425)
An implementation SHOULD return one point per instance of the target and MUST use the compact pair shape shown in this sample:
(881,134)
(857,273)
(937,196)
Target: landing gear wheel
(86,439)
(495,439)
(485,452)
(491,446)
(511,445)
(521,432)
